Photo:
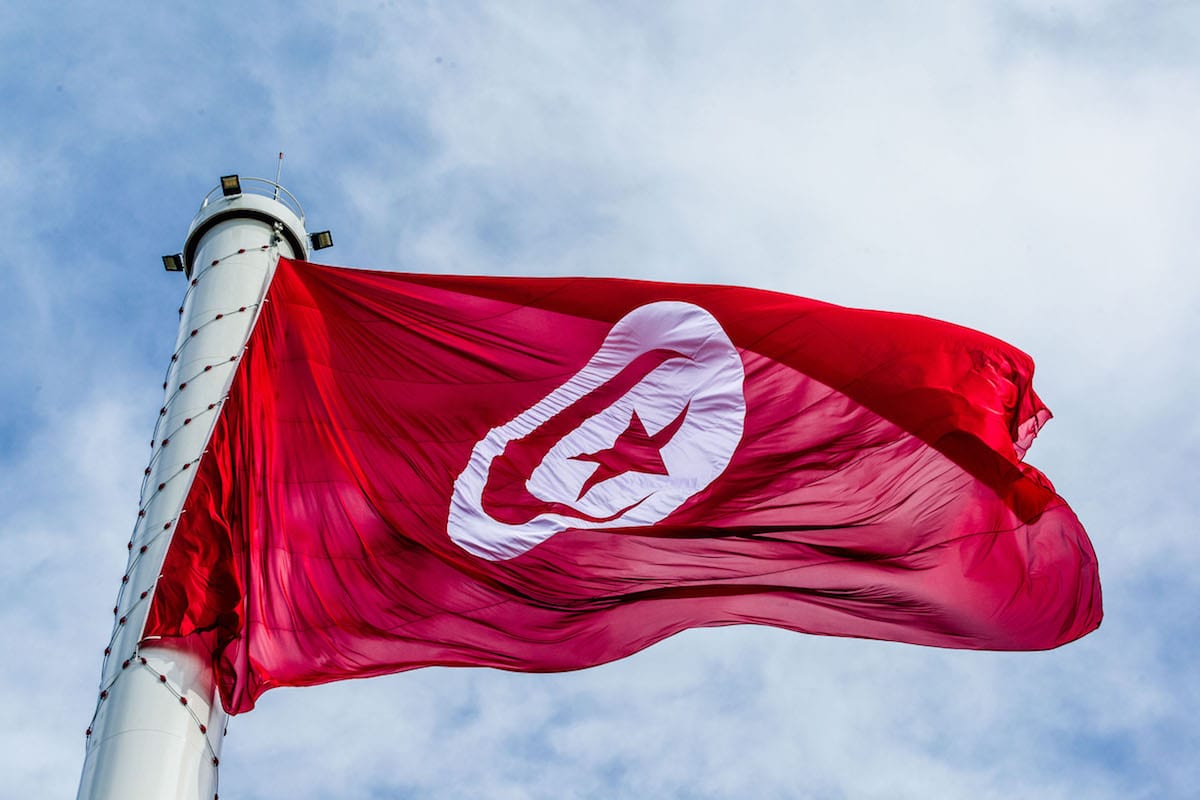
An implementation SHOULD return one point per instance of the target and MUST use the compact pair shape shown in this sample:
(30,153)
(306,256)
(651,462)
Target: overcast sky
(1028,169)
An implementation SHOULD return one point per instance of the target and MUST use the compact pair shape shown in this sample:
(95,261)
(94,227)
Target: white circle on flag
(651,420)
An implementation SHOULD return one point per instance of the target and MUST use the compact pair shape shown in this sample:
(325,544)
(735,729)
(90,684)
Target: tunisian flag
(547,474)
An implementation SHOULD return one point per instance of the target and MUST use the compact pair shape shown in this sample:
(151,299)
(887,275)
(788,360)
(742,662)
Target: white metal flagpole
(158,724)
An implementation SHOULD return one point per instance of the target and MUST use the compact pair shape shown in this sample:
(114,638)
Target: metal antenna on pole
(278,169)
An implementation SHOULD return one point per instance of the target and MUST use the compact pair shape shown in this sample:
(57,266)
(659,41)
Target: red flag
(547,474)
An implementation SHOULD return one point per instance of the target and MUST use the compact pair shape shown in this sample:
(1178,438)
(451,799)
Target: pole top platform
(247,198)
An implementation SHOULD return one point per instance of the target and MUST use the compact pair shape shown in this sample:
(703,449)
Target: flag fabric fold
(547,474)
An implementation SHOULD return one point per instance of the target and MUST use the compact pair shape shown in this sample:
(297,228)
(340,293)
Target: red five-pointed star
(633,451)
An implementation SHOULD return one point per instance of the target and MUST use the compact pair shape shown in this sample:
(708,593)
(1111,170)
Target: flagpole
(158,723)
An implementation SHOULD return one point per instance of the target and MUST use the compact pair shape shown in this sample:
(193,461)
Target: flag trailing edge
(547,474)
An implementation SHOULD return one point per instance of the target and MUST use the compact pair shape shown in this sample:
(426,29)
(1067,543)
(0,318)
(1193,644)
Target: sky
(1027,169)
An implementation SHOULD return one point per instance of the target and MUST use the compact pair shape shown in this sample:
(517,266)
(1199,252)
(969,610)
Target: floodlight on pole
(320,240)
(231,185)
